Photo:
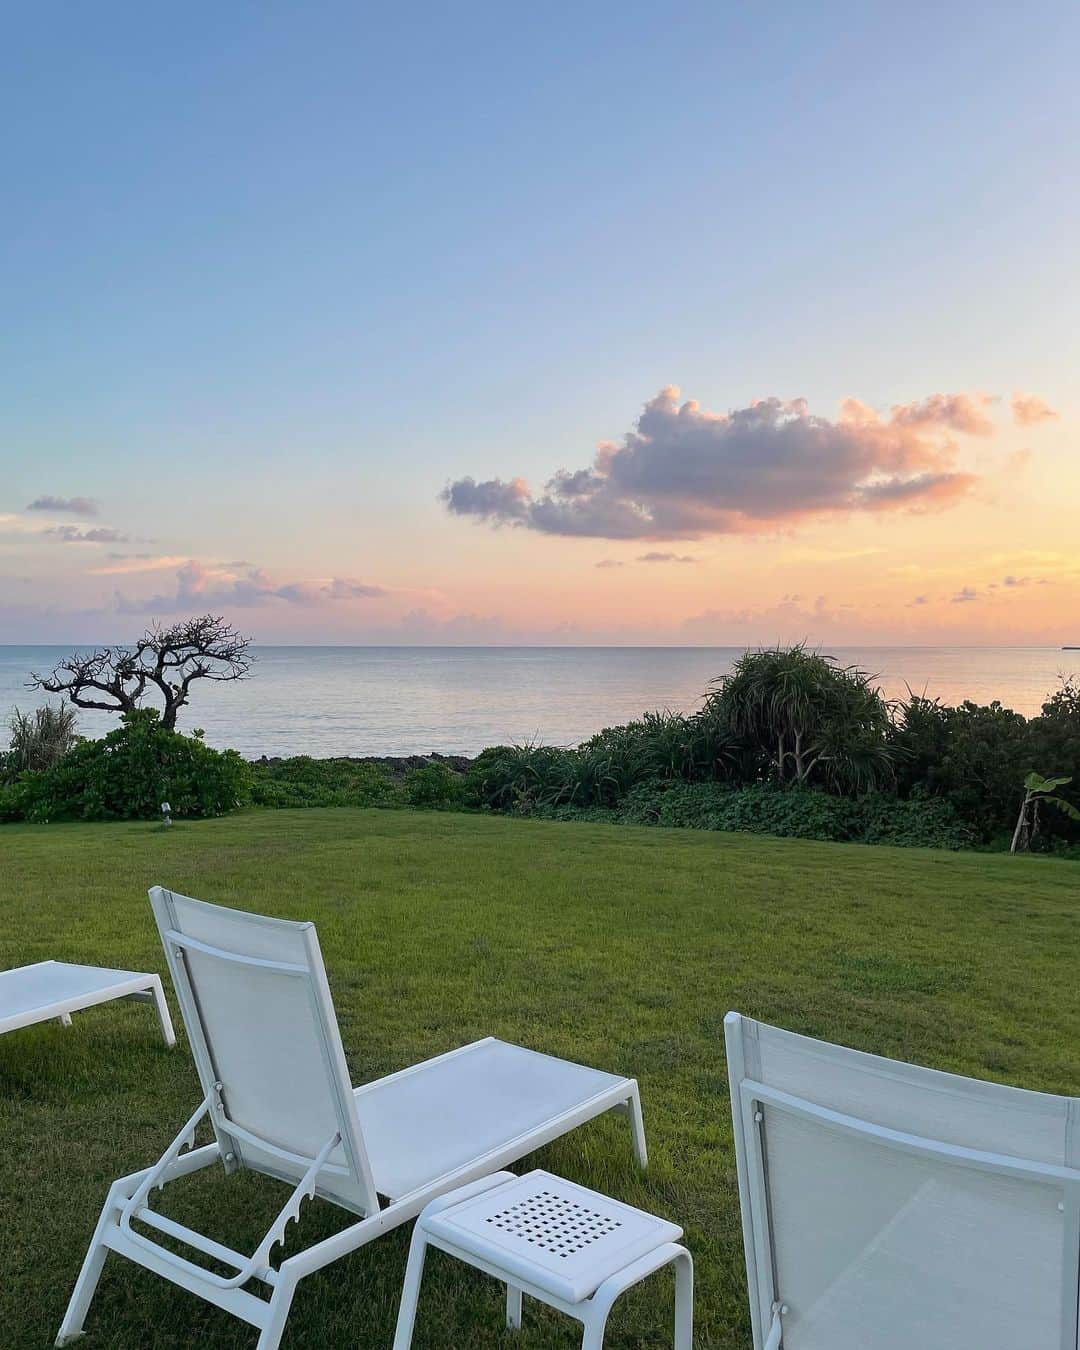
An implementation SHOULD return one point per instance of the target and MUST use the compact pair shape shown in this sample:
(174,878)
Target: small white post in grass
(166,814)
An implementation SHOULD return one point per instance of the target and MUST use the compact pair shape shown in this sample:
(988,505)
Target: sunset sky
(605,323)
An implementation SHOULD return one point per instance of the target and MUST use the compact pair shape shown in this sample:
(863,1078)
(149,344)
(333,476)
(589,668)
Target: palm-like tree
(814,720)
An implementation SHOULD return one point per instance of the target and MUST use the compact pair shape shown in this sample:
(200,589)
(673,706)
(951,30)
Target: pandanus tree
(810,719)
(166,659)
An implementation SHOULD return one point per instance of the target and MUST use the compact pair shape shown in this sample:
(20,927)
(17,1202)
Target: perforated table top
(561,1237)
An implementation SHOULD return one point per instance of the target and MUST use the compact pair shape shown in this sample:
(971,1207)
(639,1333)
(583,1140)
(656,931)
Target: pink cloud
(199,587)
(1028,410)
(684,472)
(954,412)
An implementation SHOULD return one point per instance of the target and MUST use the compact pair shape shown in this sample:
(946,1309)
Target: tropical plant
(1039,791)
(519,777)
(39,739)
(812,720)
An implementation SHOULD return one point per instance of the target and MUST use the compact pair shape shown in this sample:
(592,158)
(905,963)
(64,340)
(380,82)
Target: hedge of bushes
(793,813)
(303,781)
(127,775)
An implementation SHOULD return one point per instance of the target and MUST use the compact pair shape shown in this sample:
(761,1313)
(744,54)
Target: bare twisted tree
(171,659)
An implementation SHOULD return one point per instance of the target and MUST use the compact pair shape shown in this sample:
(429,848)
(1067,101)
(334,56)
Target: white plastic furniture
(55,989)
(569,1247)
(892,1206)
(265,1039)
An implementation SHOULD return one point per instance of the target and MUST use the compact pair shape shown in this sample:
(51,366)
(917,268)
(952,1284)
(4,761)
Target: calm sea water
(411,700)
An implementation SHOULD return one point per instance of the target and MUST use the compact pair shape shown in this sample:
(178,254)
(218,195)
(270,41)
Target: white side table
(564,1245)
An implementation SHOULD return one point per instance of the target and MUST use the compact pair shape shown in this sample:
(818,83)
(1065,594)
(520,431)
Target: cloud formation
(952,412)
(199,587)
(74,534)
(76,506)
(684,472)
(1029,409)
(120,564)
(792,618)
(655,557)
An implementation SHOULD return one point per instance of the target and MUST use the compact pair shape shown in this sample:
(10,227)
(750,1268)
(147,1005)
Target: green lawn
(616,946)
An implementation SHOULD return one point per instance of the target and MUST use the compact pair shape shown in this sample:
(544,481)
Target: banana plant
(1039,791)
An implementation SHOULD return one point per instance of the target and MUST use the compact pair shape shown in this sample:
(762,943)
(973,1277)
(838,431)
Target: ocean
(457,700)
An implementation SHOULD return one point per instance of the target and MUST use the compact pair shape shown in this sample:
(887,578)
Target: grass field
(615,946)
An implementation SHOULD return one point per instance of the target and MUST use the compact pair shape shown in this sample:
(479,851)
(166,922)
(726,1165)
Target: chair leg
(85,1286)
(684,1301)
(162,1010)
(592,1336)
(410,1290)
(637,1128)
(280,1303)
(513,1307)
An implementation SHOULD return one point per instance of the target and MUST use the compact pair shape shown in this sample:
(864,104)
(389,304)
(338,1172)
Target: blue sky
(273,276)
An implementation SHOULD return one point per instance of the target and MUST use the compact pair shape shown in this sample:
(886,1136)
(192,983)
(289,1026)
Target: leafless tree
(168,659)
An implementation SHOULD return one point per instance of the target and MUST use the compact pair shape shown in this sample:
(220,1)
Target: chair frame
(127,1200)
(751,1099)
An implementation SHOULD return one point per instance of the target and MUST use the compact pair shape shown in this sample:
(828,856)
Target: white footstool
(49,989)
(567,1246)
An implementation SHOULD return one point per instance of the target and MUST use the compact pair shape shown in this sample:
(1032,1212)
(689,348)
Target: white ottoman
(567,1246)
(49,989)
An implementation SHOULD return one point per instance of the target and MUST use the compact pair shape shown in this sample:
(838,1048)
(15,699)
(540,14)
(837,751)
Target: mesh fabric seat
(891,1206)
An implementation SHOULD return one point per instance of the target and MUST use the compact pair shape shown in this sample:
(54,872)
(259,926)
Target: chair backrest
(893,1206)
(258,1012)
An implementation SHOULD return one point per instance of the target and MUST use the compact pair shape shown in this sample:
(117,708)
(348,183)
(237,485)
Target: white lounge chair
(56,989)
(895,1207)
(266,1044)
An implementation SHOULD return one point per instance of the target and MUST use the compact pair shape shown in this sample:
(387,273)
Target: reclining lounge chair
(890,1206)
(262,1028)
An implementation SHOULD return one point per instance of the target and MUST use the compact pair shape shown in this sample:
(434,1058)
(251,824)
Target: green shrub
(1054,745)
(128,774)
(796,813)
(433,786)
(600,772)
(519,777)
(303,781)
(975,757)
